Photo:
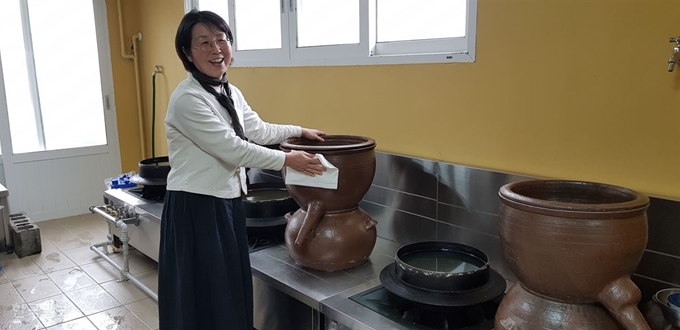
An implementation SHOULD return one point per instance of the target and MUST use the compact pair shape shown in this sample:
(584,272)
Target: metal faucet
(676,50)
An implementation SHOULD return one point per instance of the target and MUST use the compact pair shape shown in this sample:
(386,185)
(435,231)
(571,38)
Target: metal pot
(442,274)
(152,172)
(265,206)
(268,199)
(442,266)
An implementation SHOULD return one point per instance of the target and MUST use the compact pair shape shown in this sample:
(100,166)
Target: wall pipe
(133,56)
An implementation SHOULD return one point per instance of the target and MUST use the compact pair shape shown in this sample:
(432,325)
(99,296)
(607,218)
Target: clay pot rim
(509,196)
(361,143)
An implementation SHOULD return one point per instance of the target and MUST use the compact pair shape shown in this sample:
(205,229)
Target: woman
(203,268)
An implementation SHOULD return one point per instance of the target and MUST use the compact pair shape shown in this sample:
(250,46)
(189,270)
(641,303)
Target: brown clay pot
(576,242)
(329,232)
(523,310)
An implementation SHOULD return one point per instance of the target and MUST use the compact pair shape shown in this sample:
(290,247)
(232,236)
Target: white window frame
(366,52)
(106,76)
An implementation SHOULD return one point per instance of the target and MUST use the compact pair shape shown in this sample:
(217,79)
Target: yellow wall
(569,89)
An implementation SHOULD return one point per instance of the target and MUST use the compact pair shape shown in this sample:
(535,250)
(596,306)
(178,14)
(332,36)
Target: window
(52,84)
(347,32)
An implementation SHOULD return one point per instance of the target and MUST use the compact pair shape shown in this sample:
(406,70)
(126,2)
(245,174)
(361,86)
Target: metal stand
(125,270)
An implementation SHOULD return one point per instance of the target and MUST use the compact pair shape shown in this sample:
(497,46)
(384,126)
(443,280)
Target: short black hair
(186,28)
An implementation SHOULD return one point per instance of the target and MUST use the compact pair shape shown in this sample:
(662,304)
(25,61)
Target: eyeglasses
(207,46)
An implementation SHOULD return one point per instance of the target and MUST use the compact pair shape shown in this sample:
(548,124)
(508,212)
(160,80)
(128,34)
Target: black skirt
(204,276)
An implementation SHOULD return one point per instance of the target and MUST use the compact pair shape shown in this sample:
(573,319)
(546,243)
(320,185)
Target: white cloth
(327,180)
(205,154)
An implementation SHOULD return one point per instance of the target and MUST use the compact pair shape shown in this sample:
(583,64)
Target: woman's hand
(313,134)
(304,163)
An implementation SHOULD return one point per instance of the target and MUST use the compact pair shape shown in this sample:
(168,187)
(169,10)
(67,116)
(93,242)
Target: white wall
(62,187)
(2,176)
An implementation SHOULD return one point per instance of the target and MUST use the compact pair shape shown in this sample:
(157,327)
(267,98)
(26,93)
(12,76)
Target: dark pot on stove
(268,199)
(442,266)
(265,206)
(153,172)
(443,274)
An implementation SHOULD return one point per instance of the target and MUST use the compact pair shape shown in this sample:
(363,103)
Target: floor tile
(146,310)
(71,279)
(50,261)
(50,229)
(18,317)
(92,300)
(5,258)
(125,292)
(74,223)
(91,235)
(97,220)
(150,279)
(101,271)
(18,269)
(118,318)
(65,240)
(83,255)
(36,288)
(139,263)
(80,324)
(55,310)
(9,296)
(54,234)
(3,278)
(47,246)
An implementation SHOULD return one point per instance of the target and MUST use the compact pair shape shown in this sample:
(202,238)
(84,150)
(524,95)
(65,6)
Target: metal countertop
(326,292)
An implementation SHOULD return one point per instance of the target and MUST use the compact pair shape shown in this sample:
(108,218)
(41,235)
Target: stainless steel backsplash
(416,200)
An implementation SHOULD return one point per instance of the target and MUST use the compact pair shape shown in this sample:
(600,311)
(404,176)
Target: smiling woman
(204,271)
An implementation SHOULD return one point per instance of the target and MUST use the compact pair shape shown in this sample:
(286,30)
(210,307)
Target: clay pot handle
(370,223)
(621,297)
(315,211)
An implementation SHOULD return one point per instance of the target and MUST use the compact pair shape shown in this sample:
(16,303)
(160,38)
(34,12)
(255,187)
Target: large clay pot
(329,232)
(523,310)
(576,242)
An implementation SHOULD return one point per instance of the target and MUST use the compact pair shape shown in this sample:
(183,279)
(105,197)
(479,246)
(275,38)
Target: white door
(57,118)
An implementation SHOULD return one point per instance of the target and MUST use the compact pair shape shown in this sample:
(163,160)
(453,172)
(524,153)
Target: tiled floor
(68,286)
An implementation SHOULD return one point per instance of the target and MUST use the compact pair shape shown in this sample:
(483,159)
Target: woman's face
(210,51)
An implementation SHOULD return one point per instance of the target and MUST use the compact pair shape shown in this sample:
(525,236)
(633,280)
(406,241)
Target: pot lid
(492,289)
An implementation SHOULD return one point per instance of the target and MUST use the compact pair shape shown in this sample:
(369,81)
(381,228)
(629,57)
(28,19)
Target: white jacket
(205,154)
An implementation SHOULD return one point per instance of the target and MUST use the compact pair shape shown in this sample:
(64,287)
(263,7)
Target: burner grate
(259,242)
(423,317)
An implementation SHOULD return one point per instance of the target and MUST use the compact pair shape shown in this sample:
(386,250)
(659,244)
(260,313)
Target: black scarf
(224,98)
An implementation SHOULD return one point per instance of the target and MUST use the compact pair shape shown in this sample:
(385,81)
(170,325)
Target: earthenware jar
(523,310)
(329,232)
(576,242)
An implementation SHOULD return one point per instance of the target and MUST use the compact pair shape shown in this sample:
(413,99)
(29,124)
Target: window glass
(327,22)
(258,24)
(20,105)
(68,75)
(401,20)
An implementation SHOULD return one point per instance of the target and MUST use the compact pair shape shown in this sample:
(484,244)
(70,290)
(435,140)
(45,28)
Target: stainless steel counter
(328,293)
(316,292)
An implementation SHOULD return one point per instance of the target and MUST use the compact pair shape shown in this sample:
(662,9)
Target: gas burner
(424,317)
(149,193)
(259,242)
